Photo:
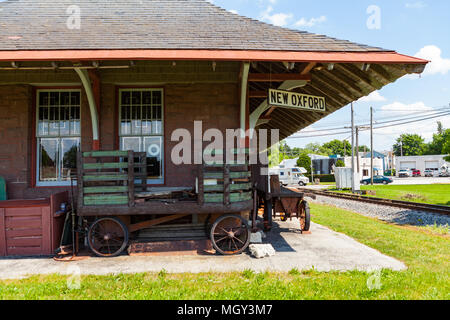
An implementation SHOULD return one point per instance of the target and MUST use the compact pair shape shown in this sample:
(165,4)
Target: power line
(378,127)
(395,118)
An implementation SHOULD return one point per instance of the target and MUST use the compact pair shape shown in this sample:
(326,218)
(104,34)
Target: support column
(85,79)
(244,96)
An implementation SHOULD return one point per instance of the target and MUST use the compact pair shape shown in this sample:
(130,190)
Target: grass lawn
(426,254)
(432,193)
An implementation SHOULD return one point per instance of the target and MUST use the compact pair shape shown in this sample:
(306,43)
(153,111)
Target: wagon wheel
(304,216)
(108,237)
(230,235)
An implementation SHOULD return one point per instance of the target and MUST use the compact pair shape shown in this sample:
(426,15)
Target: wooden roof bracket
(85,80)
(287,85)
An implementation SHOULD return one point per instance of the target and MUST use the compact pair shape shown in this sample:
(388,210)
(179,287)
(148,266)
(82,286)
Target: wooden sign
(299,101)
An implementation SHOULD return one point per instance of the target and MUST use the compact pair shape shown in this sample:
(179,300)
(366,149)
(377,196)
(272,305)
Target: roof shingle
(149,24)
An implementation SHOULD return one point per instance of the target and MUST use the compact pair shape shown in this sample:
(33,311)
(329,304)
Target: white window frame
(160,181)
(58,183)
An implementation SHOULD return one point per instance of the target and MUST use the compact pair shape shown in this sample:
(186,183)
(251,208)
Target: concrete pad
(323,250)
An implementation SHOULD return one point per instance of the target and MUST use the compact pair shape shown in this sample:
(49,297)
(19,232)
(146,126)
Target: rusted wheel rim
(230,235)
(108,237)
(304,216)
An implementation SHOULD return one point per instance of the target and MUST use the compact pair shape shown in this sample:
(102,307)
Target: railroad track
(445,210)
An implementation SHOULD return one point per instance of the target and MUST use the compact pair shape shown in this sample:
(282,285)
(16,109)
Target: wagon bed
(112,188)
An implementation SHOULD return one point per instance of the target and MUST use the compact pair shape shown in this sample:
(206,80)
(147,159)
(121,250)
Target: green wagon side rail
(3,195)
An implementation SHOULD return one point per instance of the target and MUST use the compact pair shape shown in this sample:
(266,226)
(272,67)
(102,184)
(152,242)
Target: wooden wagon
(284,203)
(115,202)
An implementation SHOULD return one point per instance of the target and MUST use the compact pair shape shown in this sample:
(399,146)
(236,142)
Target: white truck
(291,176)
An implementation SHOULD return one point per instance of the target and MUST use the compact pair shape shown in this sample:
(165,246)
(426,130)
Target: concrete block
(256,237)
(261,250)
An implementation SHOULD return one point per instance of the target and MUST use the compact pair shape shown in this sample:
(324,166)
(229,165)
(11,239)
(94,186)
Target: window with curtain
(58,135)
(141,128)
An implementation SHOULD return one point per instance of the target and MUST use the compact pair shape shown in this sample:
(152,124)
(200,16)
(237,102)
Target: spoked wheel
(108,237)
(305,217)
(230,235)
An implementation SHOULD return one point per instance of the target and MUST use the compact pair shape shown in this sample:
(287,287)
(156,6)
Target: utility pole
(371,145)
(401,147)
(353,151)
(357,149)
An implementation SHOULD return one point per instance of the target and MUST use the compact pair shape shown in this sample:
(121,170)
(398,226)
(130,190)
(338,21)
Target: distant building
(324,165)
(422,163)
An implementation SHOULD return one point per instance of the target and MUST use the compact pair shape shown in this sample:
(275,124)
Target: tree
(364,149)
(340,164)
(314,147)
(304,161)
(410,145)
(337,147)
(446,150)
(436,146)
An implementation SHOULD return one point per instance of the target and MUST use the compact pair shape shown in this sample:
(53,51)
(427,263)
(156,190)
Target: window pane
(75,121)
(147,97)
(131,143)
(65,98)
(125,125)
(54,99)
(157,99)
(153,147)
(64,125)
(136,120)
(136,98)
(48,160)
(126,98)
(53,129)
(69,148)
(146,120)
(75,99)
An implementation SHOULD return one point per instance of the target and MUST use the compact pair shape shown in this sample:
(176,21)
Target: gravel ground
(387,213)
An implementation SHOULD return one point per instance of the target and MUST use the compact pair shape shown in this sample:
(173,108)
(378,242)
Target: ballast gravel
(387,213)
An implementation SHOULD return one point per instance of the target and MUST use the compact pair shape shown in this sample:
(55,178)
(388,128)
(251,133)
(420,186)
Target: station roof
(149,24)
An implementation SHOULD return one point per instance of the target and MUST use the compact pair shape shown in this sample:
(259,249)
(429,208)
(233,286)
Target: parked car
(416,173)
(404,173)
(428,173)
(378,180)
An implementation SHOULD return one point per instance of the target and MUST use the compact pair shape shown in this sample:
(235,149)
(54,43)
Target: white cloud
(311,22)
(373,97)
(278,19)
(416,5)
(425,128)
(399,108)
(234,11)
(438,63)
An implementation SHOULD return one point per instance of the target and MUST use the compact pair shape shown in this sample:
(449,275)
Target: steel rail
(445,210)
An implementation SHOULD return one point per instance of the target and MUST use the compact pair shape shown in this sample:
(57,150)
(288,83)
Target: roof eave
(383,57)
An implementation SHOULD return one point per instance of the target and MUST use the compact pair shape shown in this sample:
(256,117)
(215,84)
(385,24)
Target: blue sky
(412,27)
